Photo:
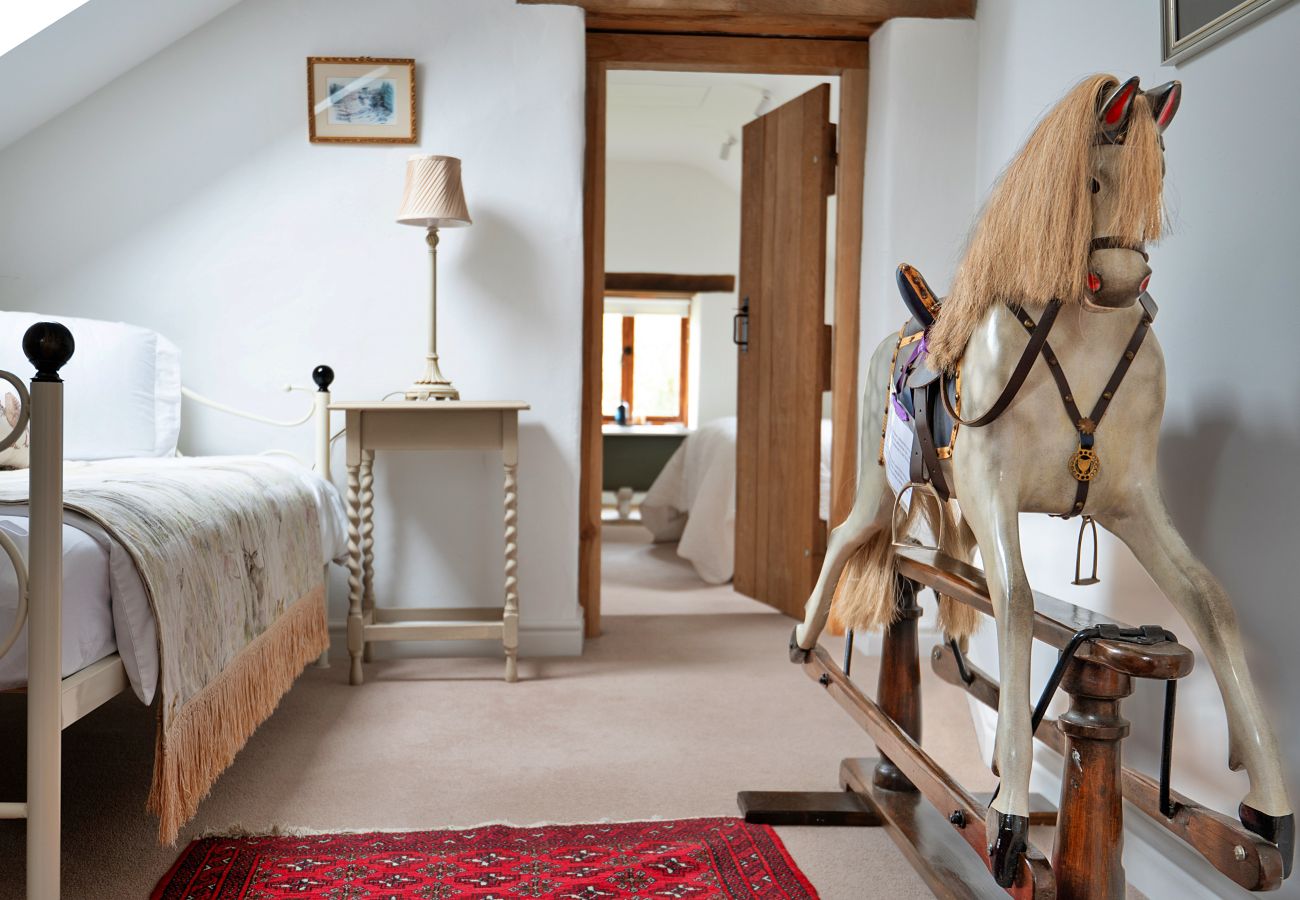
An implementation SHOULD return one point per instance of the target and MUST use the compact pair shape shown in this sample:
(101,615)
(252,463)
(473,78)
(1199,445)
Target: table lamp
(433,199)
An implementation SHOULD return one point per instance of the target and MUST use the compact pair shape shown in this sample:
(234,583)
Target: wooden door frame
(610,51)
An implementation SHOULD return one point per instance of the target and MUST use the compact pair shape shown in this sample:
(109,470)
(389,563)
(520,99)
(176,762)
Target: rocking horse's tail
(864,596)
(957,620)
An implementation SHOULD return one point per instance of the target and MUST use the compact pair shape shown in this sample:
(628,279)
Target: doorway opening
(694,369)
(674,324)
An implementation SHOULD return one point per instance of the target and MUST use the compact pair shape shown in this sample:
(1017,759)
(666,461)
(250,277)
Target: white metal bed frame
(55,702)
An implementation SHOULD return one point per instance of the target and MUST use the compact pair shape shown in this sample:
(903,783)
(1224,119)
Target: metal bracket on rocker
(1145,635)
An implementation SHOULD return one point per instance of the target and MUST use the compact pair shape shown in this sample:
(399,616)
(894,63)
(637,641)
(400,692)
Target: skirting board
(564,639)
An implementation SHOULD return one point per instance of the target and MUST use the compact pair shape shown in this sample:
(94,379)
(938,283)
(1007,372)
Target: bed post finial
(323,376)
(48,346)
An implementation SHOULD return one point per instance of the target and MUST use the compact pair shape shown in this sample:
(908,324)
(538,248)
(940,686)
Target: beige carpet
(686,699)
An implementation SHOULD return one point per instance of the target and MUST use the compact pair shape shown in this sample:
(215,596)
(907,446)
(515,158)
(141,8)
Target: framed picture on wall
(360,100)
(1189,26)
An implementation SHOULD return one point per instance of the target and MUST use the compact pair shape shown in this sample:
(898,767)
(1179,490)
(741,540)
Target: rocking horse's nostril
(1142,287)
(1094,282)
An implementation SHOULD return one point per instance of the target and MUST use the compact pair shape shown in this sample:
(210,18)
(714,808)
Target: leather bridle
(1084,464)
(1114,243)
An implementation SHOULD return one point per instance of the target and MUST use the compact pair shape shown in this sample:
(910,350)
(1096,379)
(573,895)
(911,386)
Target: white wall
(1225,279)
(669,217)
(185,196)
(919,191)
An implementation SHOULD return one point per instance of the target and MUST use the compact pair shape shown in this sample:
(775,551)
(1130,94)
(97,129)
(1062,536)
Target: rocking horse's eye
(1096,185)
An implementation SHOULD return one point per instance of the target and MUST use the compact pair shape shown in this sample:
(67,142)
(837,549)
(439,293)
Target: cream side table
(425,425)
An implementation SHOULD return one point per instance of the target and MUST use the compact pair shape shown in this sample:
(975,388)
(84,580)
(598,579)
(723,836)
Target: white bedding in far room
(105,606)
(693,501)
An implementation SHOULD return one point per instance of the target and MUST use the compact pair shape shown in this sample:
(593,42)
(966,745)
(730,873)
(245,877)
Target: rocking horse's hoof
(1010,844)
(798,655)
(1279,830)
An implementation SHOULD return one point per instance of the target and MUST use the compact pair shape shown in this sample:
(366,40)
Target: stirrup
(913,544)
(1086,523)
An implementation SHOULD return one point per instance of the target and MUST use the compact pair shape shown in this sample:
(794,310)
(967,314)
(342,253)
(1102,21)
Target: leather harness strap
(1037,341)
(1084,465)
(1113,243)
(925,458)
(1087,426)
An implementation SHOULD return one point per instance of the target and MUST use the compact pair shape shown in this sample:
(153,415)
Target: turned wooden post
(899,689)
(1086,857)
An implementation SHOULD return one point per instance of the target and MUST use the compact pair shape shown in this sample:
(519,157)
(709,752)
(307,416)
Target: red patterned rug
(699,859)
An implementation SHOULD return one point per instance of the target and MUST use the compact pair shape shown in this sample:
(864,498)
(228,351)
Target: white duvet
(693,501)
(105,607)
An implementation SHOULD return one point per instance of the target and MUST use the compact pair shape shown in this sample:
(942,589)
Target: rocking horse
(996,420)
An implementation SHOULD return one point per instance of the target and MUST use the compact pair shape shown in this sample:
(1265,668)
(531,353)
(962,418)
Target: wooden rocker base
(846,809)
(940,826)
(927,838)
(835,809)
(935,849)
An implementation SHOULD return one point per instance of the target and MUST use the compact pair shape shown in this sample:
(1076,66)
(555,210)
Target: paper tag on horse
(898,452)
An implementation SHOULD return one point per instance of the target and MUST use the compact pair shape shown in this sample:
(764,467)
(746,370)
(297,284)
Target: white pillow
(122,387)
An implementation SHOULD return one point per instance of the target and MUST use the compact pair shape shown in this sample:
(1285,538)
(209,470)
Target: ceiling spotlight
(725,152)
(763,105)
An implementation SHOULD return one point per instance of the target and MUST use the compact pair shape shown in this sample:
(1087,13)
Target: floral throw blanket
(229,552)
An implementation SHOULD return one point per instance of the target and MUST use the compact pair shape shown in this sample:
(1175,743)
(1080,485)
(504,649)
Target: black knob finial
(48,346)
(323,376)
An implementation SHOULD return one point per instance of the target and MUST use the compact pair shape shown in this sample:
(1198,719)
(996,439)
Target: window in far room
(645,355)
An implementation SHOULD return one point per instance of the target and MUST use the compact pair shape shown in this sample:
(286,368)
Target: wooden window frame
(628,373)
(607,51)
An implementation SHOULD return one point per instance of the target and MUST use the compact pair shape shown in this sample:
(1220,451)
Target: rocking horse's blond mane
(1031,243)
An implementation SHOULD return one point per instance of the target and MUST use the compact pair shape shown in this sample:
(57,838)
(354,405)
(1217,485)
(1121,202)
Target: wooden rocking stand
(945,838)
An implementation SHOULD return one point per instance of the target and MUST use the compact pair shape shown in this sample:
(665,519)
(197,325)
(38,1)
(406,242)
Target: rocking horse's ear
(1164,102)
(1114,112)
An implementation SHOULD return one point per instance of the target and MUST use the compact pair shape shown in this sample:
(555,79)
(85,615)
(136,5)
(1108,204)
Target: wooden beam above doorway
(665,283)
(843,19)
(715,53)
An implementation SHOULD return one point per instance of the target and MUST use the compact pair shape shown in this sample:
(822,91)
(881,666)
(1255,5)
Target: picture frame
(1189,26)
(360,100)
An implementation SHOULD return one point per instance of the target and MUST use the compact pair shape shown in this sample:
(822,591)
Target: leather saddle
(914,387)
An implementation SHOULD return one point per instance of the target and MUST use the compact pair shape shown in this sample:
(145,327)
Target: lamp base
(422,390)
(433,386)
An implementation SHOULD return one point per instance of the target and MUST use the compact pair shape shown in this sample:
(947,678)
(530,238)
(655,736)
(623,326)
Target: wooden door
(788,172)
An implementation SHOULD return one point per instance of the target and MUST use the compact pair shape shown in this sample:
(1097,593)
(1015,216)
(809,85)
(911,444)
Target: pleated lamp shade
(433,196)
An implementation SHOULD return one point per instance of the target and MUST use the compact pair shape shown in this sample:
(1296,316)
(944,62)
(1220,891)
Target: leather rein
(1084,464)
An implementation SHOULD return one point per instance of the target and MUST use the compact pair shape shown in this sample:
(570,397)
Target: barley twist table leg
(511,635)
(367,537)
(355,582)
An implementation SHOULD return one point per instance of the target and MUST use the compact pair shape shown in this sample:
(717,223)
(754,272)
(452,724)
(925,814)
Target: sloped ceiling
(687,117)
(79,53)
